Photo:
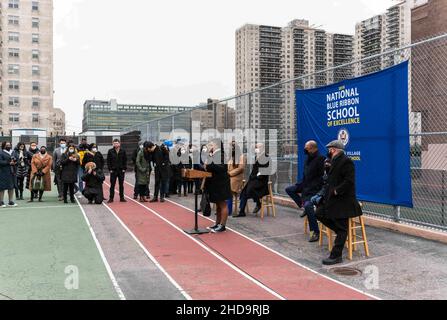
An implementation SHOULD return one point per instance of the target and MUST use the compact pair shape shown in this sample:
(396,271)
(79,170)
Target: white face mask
(95,150)
(63,145)
(183,151)
(257,151)
(204,150)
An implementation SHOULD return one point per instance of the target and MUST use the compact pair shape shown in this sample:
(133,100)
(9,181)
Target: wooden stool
(268,204)
(325,231)
(247,206)
(306,225)
(352,236)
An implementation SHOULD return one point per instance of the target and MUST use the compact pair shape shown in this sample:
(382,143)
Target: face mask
(71,151)
(204,150)
(8,148)
(183,151)
(94,150)
(257,151)
(43,151)
(141,147)
(33,148)
(63,145)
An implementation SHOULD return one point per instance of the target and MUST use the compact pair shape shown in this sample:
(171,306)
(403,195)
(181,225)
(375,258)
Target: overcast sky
(171,52)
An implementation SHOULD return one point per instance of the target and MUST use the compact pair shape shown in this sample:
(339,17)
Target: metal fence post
(443,198)
(396,213)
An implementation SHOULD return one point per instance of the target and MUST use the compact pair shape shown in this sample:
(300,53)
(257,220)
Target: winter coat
(43,164)
(69,173)
(312,177)
(142,168)
(97,158)
(218,186)
(7,171)
(236,173)
(161,163)
(23,163)
(116,161)
(339,198)
(93,183)
(257,186)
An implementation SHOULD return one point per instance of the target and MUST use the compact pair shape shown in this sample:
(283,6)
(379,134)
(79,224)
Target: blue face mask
(63,145)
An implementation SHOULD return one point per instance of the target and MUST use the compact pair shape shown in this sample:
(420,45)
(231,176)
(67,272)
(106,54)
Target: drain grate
(346,271)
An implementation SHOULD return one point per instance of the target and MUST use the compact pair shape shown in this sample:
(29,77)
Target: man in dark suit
(117,165)
(312,182)
(337,200)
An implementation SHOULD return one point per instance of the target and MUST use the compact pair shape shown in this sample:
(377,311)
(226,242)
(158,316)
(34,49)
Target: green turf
(37,242)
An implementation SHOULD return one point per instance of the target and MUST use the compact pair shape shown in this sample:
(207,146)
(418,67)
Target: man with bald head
(312,182)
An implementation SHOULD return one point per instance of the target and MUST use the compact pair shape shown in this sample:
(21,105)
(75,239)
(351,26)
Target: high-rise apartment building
(429,71)
(309,51)
(258,64)
(266,55)
(26,77)
(382,33)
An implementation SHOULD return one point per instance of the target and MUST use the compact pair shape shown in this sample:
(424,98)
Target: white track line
(280,254)
(103,257)
(150,256)
(228,263)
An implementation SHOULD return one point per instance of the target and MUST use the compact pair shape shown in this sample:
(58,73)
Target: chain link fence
(270,104)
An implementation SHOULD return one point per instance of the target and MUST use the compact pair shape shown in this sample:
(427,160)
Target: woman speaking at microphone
(218,186)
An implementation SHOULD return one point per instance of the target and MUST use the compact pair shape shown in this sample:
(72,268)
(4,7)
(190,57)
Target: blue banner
(370,116)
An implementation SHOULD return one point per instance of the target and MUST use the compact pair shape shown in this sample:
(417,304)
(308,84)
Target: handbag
(205,204)
(38,183)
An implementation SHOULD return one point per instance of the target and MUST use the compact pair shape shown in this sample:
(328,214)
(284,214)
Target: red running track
(224,266)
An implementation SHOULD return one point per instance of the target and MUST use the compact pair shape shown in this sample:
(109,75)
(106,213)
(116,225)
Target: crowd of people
(73,166)
(327,191)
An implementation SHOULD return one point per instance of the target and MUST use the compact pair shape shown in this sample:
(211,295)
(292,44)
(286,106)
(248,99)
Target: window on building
(14,101)
(36,86)
(14,117)
(13,69)
(35,38)
(35,54)
(35,118)
(35,6)
(13,36)
(35,70)
(13,20)
(13,85)
(13,4)
(36,103)
(35,23)
(13,52)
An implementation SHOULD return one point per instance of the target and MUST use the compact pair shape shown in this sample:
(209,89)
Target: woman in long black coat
(218,186)
(7,172)
(70,162)
(23,164)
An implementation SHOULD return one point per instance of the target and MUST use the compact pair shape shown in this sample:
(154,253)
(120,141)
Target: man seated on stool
(312,183)
(258,184)
(337,201)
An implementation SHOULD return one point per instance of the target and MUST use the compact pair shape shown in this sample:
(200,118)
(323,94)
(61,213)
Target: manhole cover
(346,271)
